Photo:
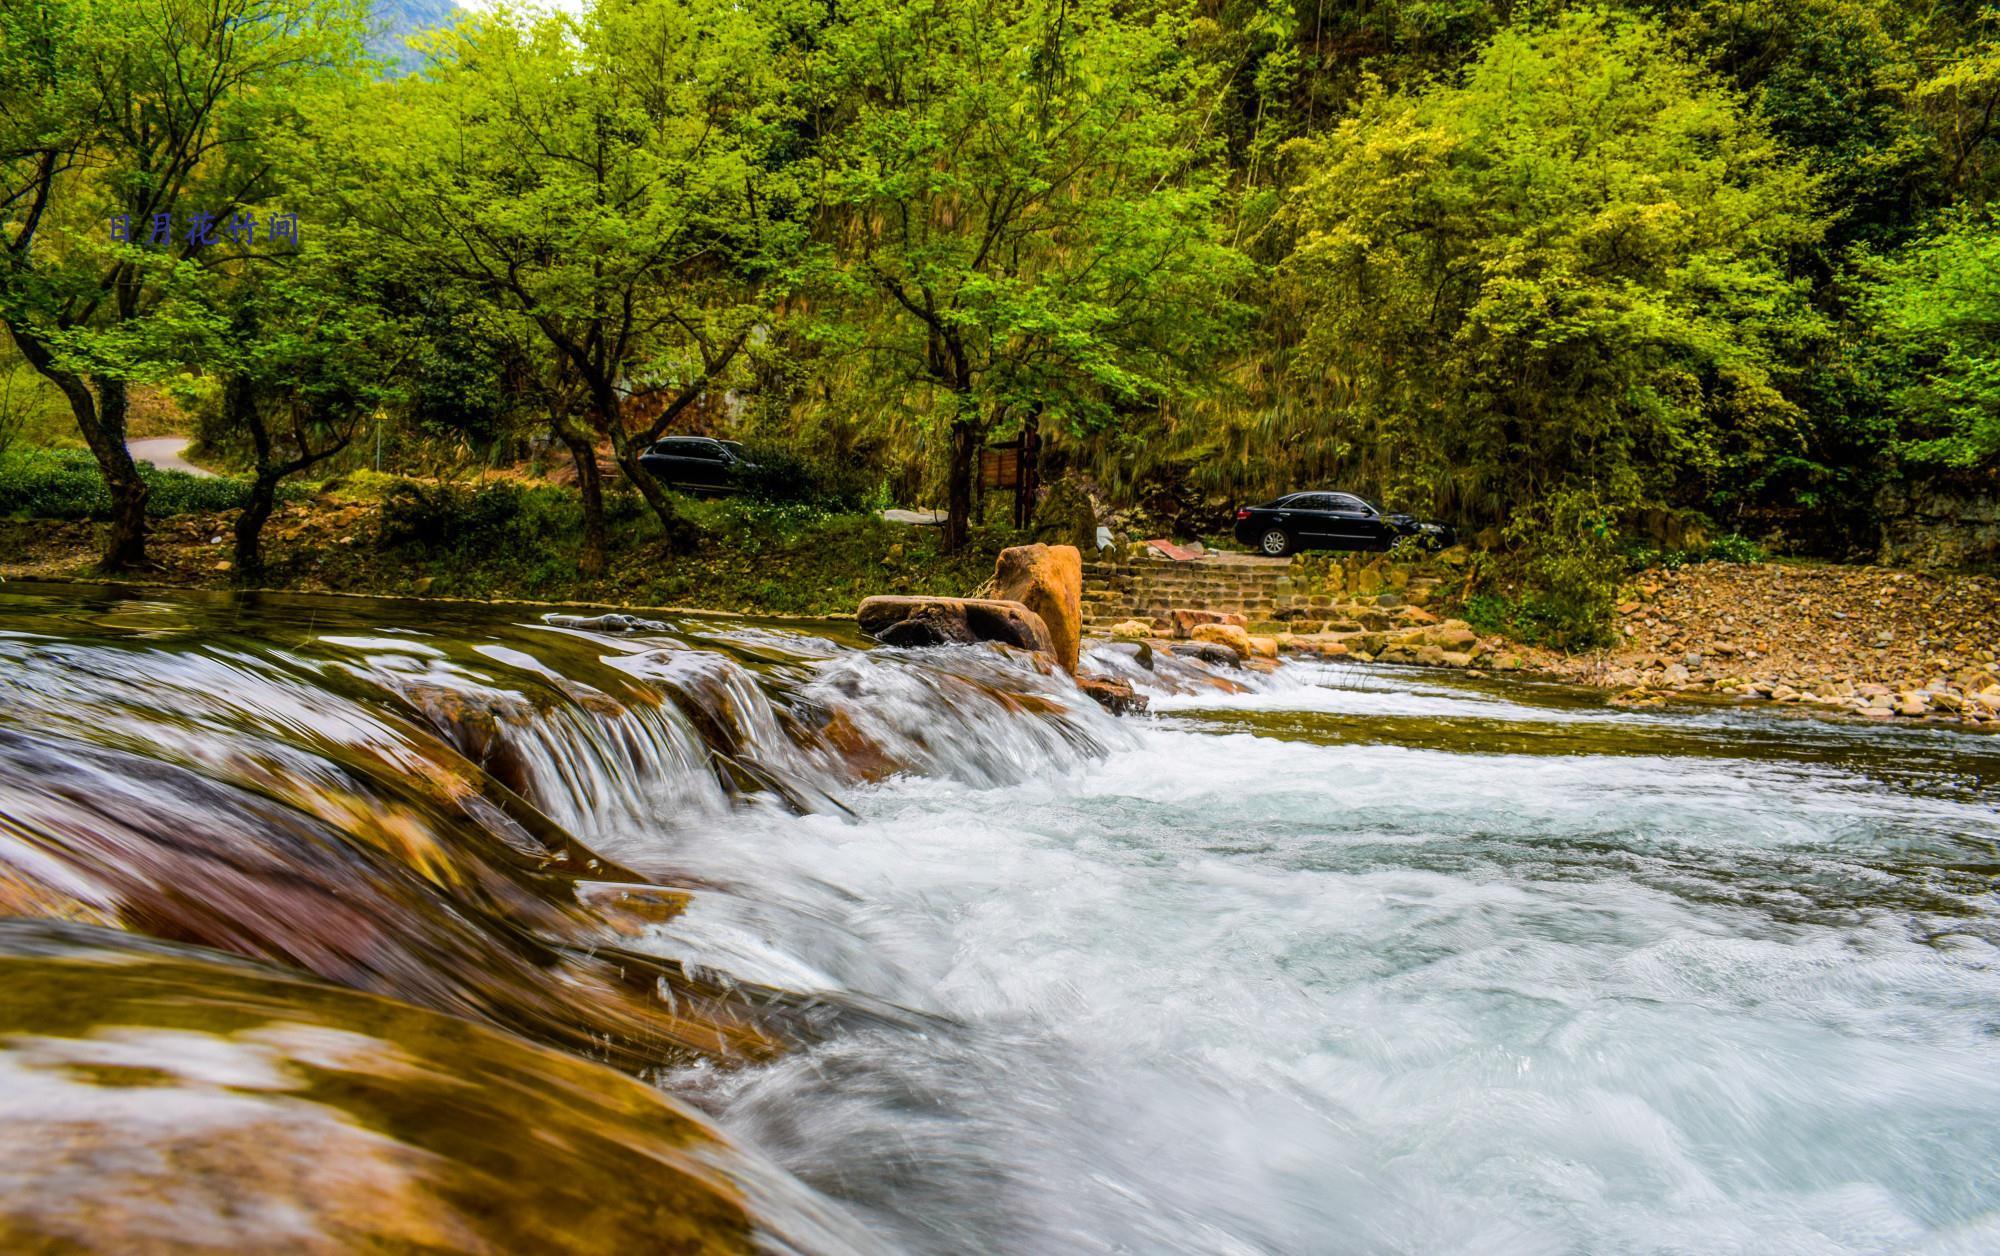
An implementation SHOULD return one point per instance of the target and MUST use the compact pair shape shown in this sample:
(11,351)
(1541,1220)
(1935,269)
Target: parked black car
(1326,520)
(699,464)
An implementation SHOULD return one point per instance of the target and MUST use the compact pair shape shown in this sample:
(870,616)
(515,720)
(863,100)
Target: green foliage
(783,473)
(1934,352)
(1028,208)
(460,521)
(1572,567)
(65,484)
(1566,272)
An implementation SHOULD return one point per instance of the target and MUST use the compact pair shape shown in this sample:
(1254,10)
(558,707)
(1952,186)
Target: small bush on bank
(1732,548)
(66,484)
(1571,569)
(488,520)
(783,474)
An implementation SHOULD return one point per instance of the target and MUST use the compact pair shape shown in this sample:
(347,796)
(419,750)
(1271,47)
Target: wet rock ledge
(1036,606)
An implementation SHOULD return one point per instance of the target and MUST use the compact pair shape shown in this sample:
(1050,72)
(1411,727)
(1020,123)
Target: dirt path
(164,452)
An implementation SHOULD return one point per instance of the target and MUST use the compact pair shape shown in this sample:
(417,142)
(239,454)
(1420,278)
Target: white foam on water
(1221,993)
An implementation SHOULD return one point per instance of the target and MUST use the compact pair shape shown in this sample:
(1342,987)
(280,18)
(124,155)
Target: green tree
(1027,192)
(1932,311)
(1566,273)
(135,114)
(614,180)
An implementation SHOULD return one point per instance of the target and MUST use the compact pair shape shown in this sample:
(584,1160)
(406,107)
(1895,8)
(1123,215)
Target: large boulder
(1048,580)
(918,621)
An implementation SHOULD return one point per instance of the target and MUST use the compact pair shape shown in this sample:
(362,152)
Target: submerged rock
(922,621)
(165,1099)
(1211,652)
(1048,580)
(605,623)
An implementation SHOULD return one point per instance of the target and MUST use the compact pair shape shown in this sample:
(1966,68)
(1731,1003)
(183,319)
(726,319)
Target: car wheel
(1275,542)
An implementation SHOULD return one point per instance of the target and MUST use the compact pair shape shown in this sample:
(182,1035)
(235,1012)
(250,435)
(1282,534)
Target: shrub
(783,474)
(66,484)
(1572,570)
(489,519)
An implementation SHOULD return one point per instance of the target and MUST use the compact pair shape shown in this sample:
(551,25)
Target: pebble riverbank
(1861,641)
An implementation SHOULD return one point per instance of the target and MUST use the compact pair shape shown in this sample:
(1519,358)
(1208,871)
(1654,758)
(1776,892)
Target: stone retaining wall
(1308,587)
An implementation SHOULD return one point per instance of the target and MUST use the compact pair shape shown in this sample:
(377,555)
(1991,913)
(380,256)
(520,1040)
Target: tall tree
(1028,189)
(135,121)
(1567,273)
(614,179)
(1932,345)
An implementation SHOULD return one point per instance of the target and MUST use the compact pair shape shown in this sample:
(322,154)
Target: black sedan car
(699,464)
(1325,520)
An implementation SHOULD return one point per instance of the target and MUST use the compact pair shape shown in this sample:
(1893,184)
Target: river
(922,952)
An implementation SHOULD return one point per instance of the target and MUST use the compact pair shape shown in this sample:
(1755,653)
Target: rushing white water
(1225,992)
(1357,960)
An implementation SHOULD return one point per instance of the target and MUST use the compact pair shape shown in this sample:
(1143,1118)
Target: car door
(1355,523)
(668,461)
(708,466)
(1311,518)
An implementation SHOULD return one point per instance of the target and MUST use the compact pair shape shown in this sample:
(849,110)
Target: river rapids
(335,925)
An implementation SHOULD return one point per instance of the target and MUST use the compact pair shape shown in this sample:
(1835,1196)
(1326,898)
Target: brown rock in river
(1048,580)
(1115,696)
(1224,634)
(1186,621)
(918,621)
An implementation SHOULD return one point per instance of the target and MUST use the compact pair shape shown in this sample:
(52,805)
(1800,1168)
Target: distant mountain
(392,22)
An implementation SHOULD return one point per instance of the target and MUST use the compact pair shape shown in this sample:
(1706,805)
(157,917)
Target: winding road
(164,452)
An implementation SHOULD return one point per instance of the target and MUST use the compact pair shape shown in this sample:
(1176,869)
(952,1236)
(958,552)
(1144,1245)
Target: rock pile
(1877,642)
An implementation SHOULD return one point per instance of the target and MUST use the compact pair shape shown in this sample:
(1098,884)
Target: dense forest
(1554,273)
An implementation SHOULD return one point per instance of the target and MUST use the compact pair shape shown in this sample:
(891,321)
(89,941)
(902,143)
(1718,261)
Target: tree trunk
(101,421)
(590,485)
(958,489)
(610,421)
(250,526)
(679,532)
(125,547)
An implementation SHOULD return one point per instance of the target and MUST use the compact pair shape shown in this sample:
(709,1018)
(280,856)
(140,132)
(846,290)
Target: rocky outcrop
(1048,580)
(1947,522)
(921,621)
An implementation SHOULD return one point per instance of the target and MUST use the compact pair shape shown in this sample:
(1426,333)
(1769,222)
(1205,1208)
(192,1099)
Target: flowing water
(354,923)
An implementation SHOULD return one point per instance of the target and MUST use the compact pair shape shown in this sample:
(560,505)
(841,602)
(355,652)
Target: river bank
(1866,642)
(1871,641)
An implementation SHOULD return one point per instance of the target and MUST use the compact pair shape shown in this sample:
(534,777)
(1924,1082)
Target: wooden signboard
(1000,468)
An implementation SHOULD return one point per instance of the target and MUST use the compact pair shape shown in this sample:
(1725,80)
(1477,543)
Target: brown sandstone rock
(1115,696)
(1186,620)
(1048,580)
(920,621)
(1231,635)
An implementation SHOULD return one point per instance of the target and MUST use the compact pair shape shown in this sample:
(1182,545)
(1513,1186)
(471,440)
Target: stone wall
(1949,523)
(1308,587)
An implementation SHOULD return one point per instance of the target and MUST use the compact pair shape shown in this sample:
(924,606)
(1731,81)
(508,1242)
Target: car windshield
(732,447)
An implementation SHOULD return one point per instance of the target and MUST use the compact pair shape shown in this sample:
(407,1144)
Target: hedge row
(65,484)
